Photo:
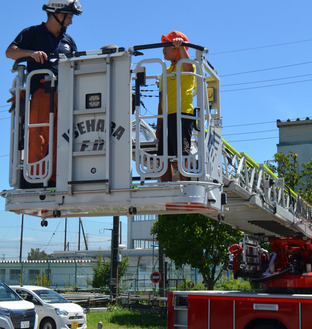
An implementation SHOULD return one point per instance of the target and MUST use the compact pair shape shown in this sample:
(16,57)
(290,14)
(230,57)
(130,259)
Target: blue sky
(262,51)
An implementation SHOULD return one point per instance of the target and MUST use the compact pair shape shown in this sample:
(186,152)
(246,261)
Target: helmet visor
(73,8)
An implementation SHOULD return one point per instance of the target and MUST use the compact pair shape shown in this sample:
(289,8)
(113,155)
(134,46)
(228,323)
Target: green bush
(190,285)
(229,283)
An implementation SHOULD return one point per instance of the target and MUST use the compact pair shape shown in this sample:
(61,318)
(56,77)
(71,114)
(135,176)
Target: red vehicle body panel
(216,310)
(290,281)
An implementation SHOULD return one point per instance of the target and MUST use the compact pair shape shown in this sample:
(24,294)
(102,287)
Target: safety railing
(149,164)
(195,164)
(258,179)
(41,170)
(18,102)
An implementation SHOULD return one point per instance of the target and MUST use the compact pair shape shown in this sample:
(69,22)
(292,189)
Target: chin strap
(63,28)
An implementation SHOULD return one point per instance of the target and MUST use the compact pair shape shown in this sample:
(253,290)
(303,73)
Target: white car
(6,323)
(53,310)
(14,311)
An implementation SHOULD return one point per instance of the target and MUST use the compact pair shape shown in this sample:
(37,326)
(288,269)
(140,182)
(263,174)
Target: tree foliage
(297,176)
(101,272)
(36,254)
(198,241)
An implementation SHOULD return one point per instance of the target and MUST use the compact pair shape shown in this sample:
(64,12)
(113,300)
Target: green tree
(297,176)
(101,272)
(286,166)
(306,183)
(36,254)
(198,241)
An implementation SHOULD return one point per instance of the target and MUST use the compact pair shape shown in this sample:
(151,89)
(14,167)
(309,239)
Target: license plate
(74,325)
(24,324)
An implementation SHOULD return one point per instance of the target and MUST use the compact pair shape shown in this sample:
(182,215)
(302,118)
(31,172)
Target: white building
(296,136)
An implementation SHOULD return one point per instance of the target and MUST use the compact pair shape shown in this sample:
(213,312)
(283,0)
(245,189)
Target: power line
(250,124)
(252,139)
(250,132)
(266,86)
(53,234)
(266,69)
(263,122)
(289,135)
(260,47)
(262,138)
(268,80)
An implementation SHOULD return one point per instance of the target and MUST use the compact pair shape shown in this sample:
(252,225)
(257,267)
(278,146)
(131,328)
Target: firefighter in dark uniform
(39,42)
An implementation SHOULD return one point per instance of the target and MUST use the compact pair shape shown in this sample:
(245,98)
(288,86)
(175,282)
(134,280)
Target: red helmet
(172,35)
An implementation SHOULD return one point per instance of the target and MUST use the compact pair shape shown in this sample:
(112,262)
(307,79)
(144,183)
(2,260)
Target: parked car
(54,311)
(5,323)
(15,313)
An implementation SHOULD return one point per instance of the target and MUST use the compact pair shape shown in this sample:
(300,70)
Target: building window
(145,244)
(32,274)
(144,217)
(2,274)
(14,275)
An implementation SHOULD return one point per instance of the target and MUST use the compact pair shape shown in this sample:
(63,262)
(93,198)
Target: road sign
(155,277)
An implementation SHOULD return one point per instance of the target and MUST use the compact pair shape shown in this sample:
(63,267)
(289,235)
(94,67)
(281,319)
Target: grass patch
(124,319)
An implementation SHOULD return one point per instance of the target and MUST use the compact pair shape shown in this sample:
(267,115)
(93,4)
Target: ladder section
(259,201)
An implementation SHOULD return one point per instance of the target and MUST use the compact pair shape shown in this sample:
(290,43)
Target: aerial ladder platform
(107,162)
(106,151)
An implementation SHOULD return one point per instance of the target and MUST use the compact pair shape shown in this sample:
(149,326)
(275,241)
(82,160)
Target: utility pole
(21,247)
(83,233)
(79,234)
(65,234)
(21,239)
(162,271)
(114,257)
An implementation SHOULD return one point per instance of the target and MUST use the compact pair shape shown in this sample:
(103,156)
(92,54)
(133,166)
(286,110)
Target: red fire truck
(286,300)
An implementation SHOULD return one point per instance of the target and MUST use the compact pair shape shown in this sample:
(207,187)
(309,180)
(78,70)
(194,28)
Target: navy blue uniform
(38,38)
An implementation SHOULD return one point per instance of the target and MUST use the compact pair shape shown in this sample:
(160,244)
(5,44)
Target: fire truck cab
(106,150)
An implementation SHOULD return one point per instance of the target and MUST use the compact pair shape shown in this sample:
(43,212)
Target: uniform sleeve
(23,39)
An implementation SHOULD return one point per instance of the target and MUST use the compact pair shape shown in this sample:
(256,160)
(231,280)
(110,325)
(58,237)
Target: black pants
(187,126)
